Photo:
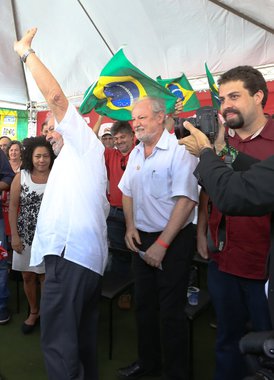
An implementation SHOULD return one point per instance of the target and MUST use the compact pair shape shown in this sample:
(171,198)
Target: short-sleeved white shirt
(155,182)
(74,207)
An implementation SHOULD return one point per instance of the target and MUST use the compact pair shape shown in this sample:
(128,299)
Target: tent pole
(13,7)
(93,23)
(243,16)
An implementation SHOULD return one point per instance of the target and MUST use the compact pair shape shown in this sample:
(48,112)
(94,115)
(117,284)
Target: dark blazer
(249,192)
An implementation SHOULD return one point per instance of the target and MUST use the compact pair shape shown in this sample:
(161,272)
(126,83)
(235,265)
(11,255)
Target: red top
(247,238)
(5,210)
(115,163)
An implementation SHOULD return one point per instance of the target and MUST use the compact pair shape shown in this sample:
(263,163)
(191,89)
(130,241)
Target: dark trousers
(236,301)
(119,262)
(160,306)
(69,320)
(4,291)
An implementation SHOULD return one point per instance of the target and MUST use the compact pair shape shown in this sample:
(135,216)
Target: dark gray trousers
(69,320)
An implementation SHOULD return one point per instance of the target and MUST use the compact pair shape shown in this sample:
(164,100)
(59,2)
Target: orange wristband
(162,243)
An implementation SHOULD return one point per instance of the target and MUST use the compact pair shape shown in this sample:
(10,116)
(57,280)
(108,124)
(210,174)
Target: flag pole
(93,23)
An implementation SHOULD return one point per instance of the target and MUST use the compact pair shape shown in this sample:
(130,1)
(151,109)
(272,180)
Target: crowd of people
(135,189)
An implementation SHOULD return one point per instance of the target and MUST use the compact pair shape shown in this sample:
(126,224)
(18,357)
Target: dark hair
(122,127)
(14,142)
(43,124)
(252,79)
(48,117)
(29,145)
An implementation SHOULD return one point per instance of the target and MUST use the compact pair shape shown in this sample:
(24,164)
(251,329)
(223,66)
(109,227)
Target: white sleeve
(77,133)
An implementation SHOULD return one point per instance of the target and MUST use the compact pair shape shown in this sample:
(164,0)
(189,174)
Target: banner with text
(13,123)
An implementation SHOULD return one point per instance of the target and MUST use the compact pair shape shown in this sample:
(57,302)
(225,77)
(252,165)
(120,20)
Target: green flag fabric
(181,88)
(213,89)
(119,85)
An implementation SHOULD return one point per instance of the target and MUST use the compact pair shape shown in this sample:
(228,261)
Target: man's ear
(161,116)
(258,96)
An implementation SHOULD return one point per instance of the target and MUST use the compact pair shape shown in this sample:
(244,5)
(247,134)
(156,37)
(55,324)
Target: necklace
(16,168)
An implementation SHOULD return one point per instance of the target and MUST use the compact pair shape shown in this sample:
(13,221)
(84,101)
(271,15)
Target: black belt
(117,208)
(159,232)
(150,233)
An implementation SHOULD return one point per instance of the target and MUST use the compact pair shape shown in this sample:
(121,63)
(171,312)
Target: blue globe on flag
(122,94)
(176,90)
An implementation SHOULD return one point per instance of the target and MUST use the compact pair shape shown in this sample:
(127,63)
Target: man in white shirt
(159,196)
(70,234)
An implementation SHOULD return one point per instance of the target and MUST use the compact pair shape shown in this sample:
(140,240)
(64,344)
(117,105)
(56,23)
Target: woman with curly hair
(26,194)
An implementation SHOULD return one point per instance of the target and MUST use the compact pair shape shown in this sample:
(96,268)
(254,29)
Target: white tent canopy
(76,38)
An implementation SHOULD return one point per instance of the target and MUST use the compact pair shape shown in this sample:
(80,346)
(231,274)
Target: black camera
(206,121)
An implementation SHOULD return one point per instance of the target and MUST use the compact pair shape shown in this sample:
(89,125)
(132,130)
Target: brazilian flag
(181,88)
(213,89)
(119,85)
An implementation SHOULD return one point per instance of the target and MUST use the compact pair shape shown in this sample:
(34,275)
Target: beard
(140,136)
(143,138)
(146,138)
(236,122)
(57,146)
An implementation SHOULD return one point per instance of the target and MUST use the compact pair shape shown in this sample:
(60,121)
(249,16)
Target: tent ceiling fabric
(76,39)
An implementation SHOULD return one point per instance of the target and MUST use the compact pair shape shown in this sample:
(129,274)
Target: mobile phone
(142,255)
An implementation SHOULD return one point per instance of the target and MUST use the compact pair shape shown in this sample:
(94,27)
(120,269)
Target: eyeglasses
(123,163)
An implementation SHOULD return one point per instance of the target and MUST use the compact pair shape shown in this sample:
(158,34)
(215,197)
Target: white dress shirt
(74,207)
(155,182)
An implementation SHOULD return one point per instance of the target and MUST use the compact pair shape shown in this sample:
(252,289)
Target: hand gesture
(24,44)
(219,143)
(132,237)
(196,142)
(178,107)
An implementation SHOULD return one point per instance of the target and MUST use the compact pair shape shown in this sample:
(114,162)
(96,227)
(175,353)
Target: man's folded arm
(247,192)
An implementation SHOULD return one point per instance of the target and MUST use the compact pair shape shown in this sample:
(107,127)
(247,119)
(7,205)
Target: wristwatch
(26,54)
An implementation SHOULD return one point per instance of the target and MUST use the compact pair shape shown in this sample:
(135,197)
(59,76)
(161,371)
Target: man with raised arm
(70,234)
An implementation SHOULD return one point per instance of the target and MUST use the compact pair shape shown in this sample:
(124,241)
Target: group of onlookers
(152,194)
